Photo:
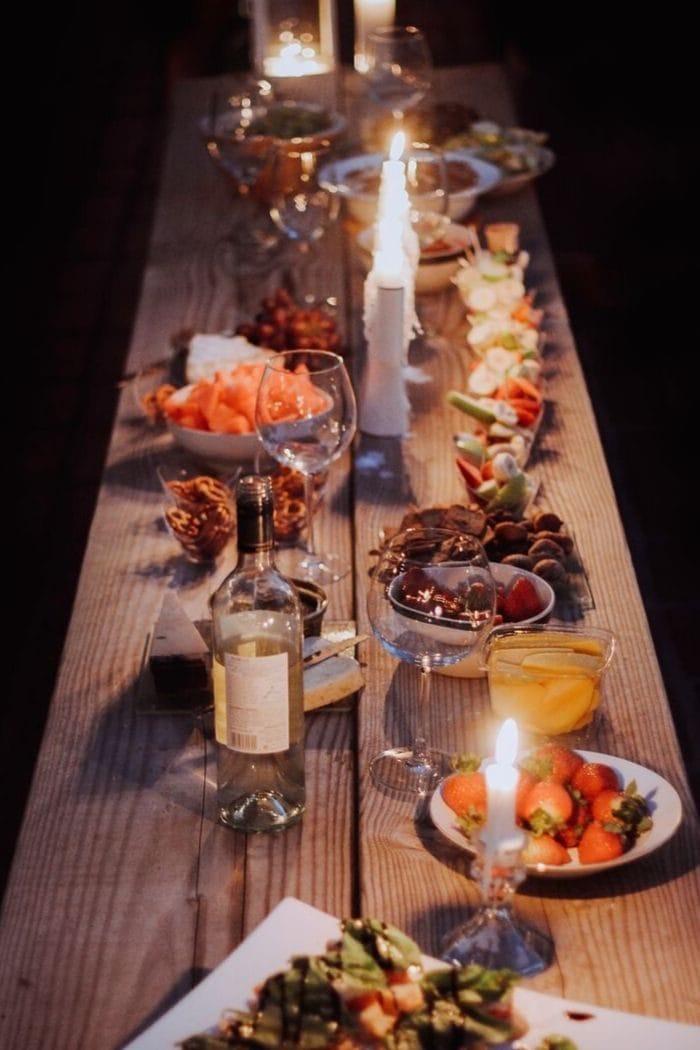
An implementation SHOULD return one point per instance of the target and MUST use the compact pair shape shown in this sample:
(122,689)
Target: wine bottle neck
(254,512)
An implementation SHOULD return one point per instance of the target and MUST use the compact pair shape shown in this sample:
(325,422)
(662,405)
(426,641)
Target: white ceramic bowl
(472,666)
(216,450)
(337,175)
(436,268)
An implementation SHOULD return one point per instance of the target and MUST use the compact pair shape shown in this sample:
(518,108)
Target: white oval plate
(664,805)
(511,183)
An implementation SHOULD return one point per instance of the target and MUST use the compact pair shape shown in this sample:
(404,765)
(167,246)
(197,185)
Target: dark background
(85,128)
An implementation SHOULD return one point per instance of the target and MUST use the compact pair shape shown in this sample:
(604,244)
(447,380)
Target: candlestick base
(495,939)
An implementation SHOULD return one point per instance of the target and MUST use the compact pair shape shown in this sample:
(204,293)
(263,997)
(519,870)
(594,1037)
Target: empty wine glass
(399,66)
(430,602)
(241,153)
(305,416)
(302,209)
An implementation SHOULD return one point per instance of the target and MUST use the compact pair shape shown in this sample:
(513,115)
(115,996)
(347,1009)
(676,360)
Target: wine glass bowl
(427,182)
(301,208)
(430,602)
(399,68)
(305,415)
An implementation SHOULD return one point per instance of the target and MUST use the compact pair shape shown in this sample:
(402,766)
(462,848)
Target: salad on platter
(369,991)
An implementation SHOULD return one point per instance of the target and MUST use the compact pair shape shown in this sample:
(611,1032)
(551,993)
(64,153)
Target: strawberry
(600,844)
(526,781)
(622,811)
(521,601)
(593,777)
(543,849)
(553,762)
(570,834)
(547,807)
(465,794)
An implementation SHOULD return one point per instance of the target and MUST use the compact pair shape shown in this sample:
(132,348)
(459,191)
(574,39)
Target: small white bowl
(435,268)
(473,665)
(216,450)
(337,176)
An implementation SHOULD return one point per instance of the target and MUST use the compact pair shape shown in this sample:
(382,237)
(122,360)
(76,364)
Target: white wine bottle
(258,677)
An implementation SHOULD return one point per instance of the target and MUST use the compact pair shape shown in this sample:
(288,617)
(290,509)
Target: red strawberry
(593,777)
(543,849)
(570,834)
(622,811)
(521,601)
(547,807)
(465,794)
(599,844)
(526,781)
(553,762)
(605,804)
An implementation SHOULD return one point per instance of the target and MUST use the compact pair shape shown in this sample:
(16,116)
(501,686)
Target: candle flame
(507,743)
(398,144)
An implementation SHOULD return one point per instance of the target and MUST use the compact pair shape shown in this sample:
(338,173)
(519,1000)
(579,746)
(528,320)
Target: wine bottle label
(257,703)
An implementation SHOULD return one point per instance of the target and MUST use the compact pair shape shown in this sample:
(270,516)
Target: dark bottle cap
(254,508)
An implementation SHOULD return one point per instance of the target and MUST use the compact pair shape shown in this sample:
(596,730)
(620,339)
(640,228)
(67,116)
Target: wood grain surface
(124,890)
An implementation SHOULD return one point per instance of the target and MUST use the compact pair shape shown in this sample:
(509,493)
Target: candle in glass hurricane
(370,15)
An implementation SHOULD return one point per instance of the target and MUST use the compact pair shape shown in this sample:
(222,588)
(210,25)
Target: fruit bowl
(473,666)
(216,450)
(356,179)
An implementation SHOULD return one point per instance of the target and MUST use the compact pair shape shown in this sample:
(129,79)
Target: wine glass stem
(420,740)
(309,501)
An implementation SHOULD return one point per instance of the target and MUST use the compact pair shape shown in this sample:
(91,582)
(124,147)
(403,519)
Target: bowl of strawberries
(521,598)
(583,812)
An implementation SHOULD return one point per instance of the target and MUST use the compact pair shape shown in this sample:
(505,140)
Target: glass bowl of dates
(438,603)
(521,598)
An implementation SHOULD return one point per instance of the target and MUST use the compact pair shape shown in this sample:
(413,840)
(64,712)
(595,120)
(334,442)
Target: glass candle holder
(293,38)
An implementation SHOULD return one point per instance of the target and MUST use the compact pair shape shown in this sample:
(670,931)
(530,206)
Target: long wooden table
(124,890)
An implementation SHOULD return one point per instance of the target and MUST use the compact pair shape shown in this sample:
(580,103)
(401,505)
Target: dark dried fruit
(561,538)
(546,521)
(552,571)
(546,549)
(519,561)
(510,533)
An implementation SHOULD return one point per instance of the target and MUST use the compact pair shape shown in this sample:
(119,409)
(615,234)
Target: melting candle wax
(501,831)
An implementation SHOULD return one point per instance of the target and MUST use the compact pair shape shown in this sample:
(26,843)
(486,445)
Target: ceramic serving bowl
(473,666)
(356,180)
(214,449)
